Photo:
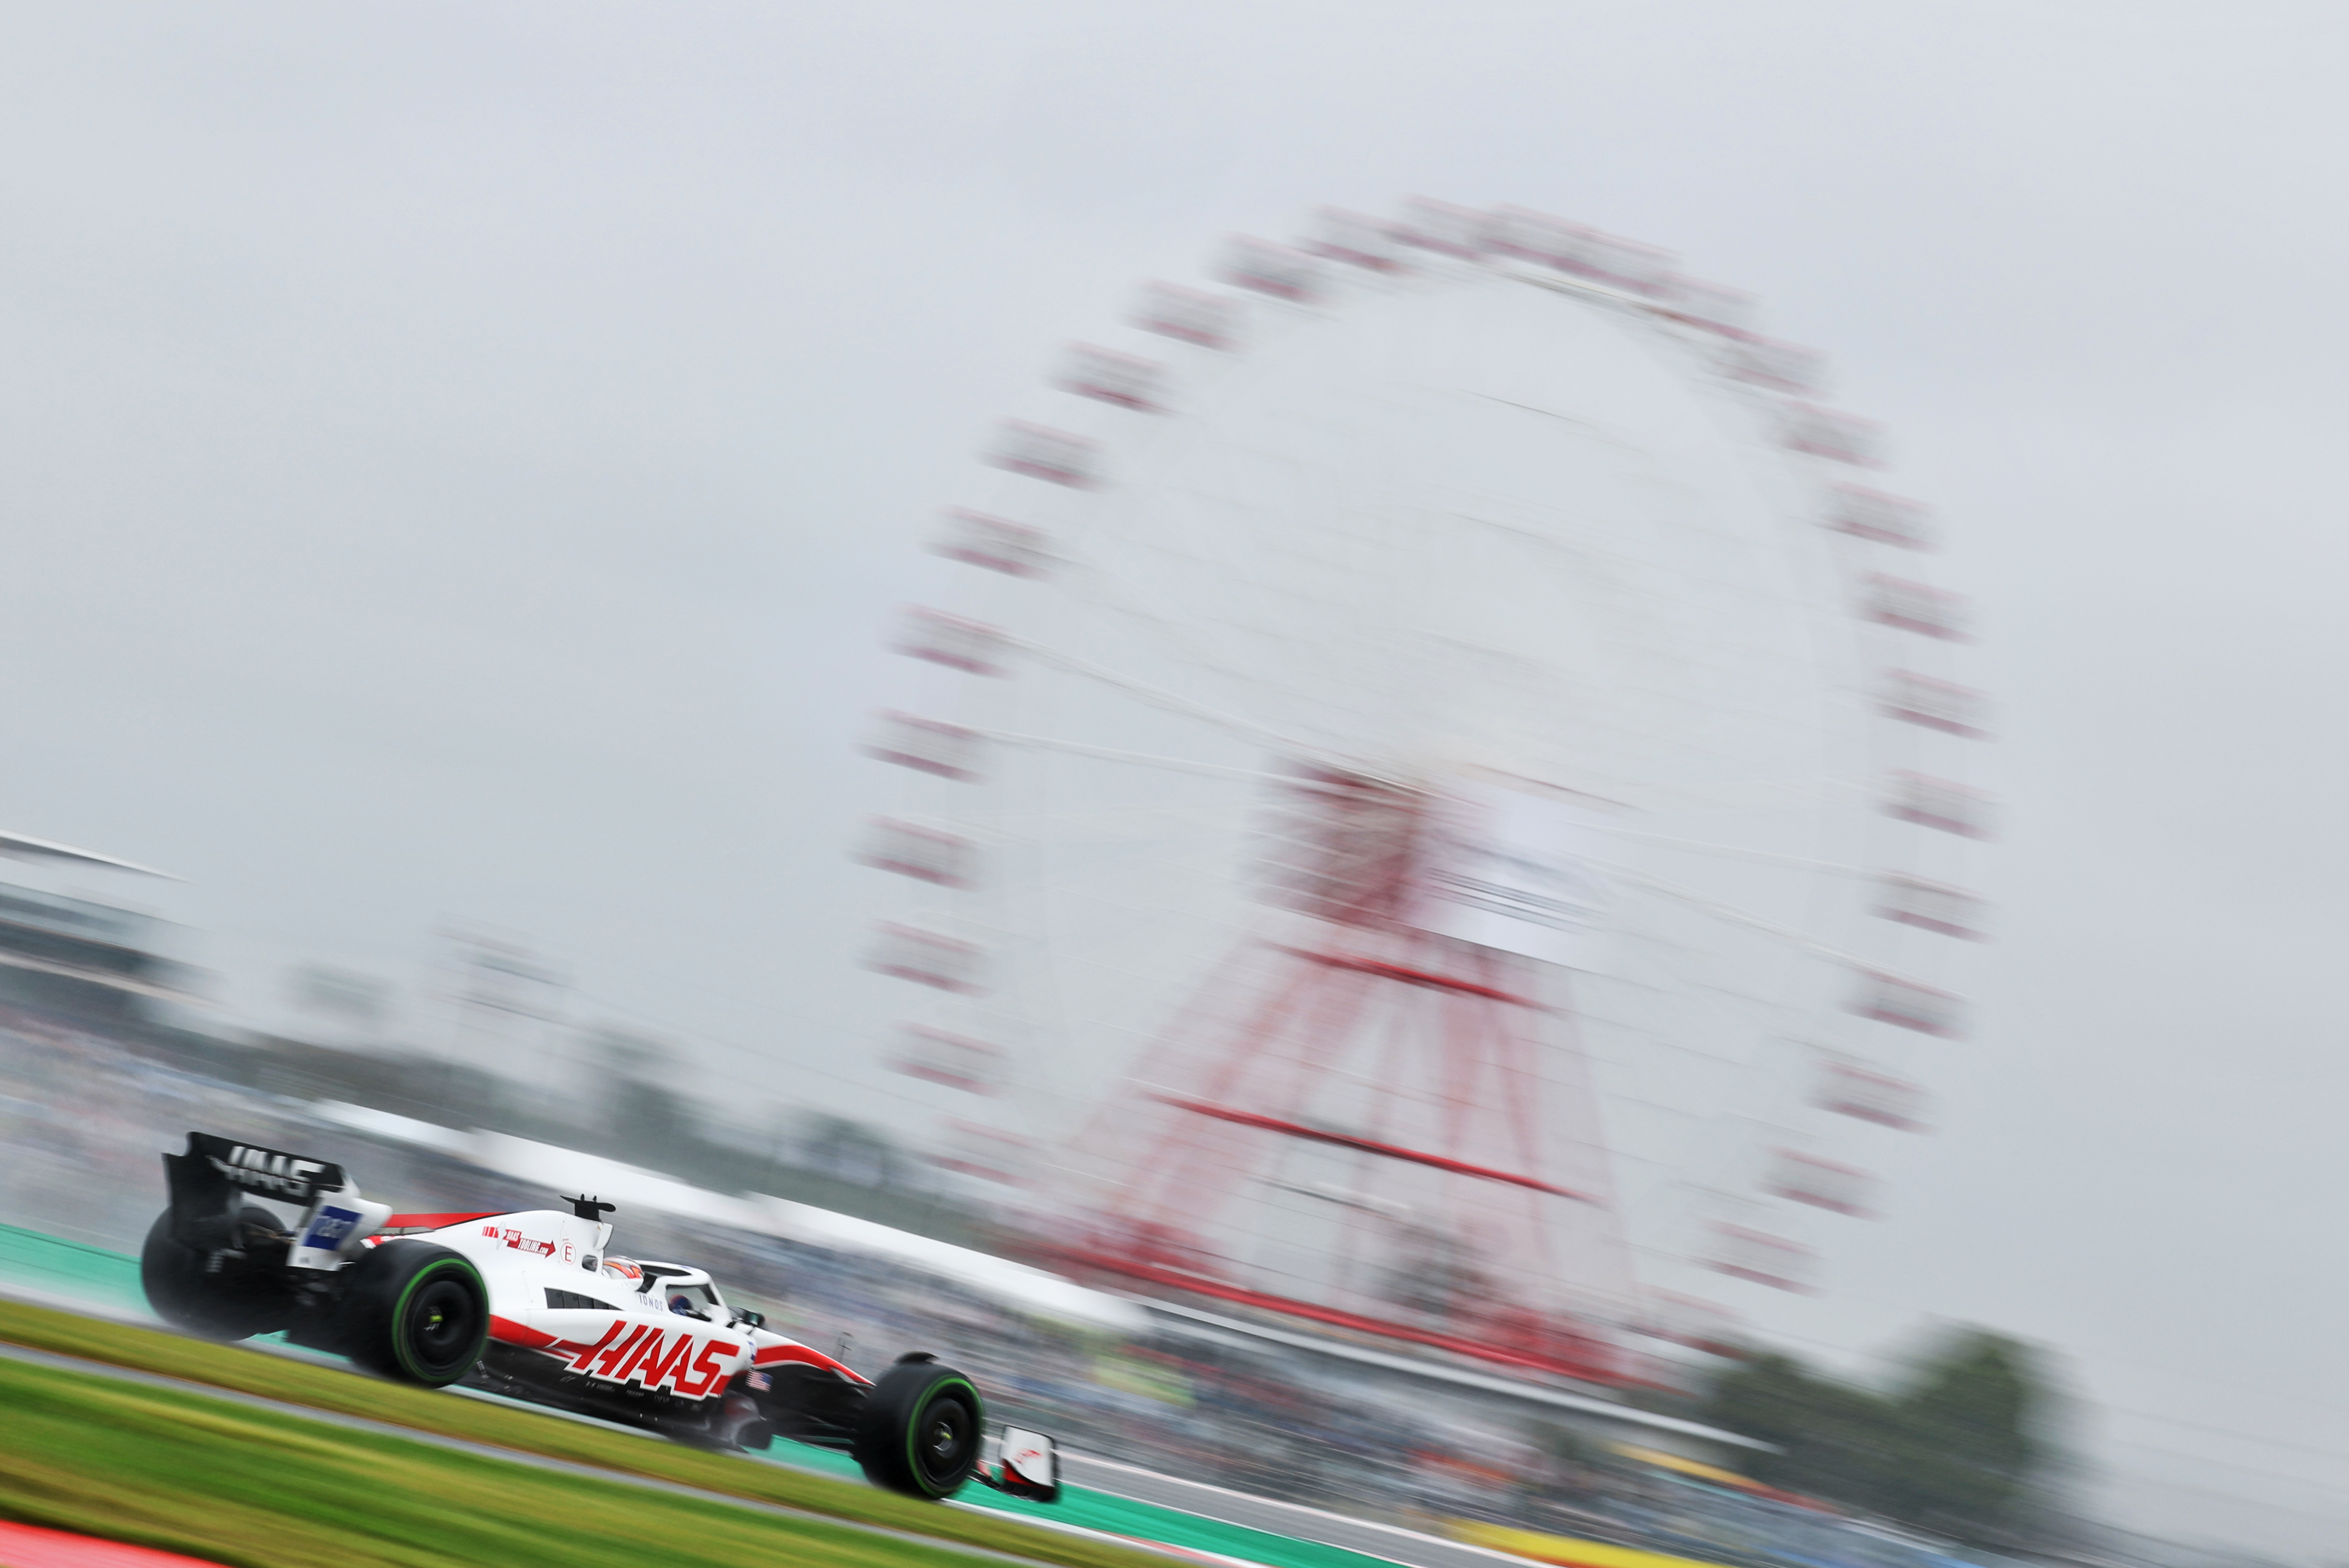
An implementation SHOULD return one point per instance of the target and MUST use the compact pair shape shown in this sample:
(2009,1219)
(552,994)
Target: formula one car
(534,1306)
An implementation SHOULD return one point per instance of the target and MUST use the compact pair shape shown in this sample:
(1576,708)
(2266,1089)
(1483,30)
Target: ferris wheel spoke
(1144,811)
(1738,852)
(1108,589)
(1752,923)
(1172,702)
(1695,982)
(1027,911)
(1146,759)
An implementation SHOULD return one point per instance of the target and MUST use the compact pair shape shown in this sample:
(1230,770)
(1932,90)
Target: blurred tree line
(1956,1448)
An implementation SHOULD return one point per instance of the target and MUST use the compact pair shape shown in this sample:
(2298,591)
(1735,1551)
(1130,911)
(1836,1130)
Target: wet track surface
(1276,1517)
(1326,1538)
(1108,1479)
(487,1451)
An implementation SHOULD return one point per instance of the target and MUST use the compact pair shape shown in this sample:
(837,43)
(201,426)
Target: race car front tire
(233,1300)
(920,1431)
(416,1312)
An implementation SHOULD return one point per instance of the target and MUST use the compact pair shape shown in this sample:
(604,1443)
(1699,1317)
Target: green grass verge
(105,1494)
(260,1490)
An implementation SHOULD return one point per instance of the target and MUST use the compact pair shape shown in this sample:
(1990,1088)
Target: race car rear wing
(210,1182)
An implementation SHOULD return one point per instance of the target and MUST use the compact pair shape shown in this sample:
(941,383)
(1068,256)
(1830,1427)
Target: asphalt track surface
(1247,1510)
(487,1451)
(1269,1514)
(1272,1515)
(1395,1544)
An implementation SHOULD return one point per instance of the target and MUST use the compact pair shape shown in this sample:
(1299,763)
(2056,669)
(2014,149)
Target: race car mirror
(1024,1464)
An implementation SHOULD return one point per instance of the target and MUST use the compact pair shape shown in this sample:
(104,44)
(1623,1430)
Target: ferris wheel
(1432,793)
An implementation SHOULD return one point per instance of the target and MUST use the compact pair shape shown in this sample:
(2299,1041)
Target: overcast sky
(456,464)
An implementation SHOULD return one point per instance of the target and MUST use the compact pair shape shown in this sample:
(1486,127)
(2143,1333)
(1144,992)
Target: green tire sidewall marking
(913,1427)
(407,1292)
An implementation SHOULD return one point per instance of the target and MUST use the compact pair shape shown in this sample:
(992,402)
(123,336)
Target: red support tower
(1359,1123)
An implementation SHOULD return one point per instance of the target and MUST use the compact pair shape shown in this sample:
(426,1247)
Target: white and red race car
(534,1305)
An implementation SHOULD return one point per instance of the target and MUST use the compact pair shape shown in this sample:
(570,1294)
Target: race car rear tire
(416,1312)
(920,1431)
(233,1301)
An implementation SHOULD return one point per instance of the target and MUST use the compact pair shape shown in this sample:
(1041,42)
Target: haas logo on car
(636,1353)
(267,1170)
